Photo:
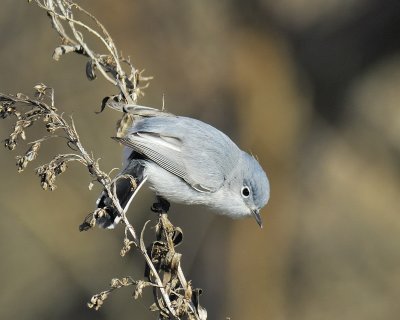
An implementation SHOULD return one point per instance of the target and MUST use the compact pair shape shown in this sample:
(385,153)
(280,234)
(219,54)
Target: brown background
(310,87)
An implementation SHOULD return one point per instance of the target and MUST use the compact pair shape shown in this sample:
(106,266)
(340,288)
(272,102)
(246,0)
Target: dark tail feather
(124,191)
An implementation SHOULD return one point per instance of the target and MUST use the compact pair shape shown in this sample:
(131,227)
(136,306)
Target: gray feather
(187,161)
(179,144)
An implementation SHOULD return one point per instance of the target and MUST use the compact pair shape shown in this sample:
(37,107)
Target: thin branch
(174,296)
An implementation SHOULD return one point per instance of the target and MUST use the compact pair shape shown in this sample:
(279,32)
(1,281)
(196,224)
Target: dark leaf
(103,104)
(177,236)
(90,69)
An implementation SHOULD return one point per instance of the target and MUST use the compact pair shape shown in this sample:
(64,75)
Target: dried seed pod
(10,142)
(51,127)
(6,110)
(91,69)
(140,285)
(21,163)
(60,168)
(40,90)
(127,247)
(189,291)
(47,177)
(32,152)
(30,155)
(98,299)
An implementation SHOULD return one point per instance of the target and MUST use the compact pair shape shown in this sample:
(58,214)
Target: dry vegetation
(174,296)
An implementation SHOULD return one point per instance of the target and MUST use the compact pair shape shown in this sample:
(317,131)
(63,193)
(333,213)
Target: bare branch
(174,296)
(61,13)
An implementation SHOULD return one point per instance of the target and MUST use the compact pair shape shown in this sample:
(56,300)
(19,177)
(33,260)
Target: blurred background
(311,87)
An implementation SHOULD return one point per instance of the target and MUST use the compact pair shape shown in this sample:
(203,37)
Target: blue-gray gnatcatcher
(186,161)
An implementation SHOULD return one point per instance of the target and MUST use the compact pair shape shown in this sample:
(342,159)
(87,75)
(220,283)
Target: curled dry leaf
(140,285)
(127,246)
(98,299)
(40,90)
(30,155)
(123,282)
(6,109)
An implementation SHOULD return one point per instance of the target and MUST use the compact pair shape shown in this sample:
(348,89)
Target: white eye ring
(245,192)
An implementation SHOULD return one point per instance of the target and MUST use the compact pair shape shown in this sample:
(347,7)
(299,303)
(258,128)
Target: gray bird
(186,161)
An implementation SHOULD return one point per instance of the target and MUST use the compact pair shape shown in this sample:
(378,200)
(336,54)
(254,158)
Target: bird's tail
(125,185)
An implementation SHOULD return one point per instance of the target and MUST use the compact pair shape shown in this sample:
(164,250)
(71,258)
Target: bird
(187,161)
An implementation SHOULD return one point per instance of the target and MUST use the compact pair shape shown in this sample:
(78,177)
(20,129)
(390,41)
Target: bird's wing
(192,150)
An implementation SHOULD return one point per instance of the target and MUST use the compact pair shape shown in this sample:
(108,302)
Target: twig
(163,266)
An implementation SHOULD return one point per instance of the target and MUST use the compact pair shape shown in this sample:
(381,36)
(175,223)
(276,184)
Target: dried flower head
(98,299)
(6,109)
(173,295)
(30,155)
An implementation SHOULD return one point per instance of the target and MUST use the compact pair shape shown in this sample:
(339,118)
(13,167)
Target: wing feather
(188,148)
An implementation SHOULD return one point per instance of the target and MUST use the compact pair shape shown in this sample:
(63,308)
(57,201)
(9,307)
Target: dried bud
(10,143)
(51,127)
(22,162)
(189,291)
(98,299)
(30,155)
(53,123)
(127,246)
(46,118)
(6,110)
(108,60)
(140,285)
(119,283)
(40,90)
(47,177)
(114,283)
(19,128)
(60,168)
(91,69)
(32,152)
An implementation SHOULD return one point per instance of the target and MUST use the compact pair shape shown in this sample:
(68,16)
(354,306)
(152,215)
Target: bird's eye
(245,192)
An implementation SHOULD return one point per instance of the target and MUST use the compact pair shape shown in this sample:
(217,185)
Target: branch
(174,296)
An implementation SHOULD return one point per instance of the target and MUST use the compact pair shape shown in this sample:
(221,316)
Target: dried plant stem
(113,66)
(174,297)
(155,273)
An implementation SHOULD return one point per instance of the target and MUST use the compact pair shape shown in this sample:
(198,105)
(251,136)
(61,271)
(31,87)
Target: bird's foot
(161,206)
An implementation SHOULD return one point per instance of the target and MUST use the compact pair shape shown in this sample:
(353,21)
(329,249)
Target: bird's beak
(256,214)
